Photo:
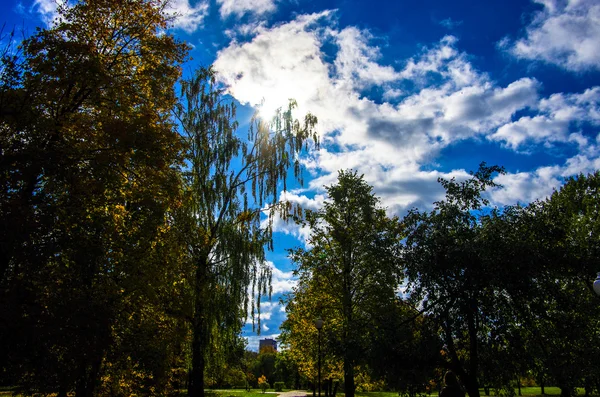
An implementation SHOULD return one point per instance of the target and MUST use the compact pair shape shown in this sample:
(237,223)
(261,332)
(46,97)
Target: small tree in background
(262,383)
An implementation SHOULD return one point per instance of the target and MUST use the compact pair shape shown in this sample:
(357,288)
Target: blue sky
(405,92)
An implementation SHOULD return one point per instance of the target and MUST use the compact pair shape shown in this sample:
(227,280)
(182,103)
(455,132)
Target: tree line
(135,214)
(496,295)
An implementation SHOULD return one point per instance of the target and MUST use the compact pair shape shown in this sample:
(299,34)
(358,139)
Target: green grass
(537,391)
(373,394)
(525,392)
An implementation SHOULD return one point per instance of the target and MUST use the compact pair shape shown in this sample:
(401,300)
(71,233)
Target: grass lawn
(525,391)
(537,391)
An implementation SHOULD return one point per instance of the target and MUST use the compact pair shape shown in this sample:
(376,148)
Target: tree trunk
(348,378)
(469,381)
(89,376)
(543,386)
(199,338)
(565,391)
(196,376)
(471,378)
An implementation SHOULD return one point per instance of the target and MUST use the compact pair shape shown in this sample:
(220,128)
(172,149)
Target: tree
(566,244)
(405,349)
(351,269)
(286,370)
(230,183)
(265,364)
(88,187)
(299,336)
(263,384)
(446,264)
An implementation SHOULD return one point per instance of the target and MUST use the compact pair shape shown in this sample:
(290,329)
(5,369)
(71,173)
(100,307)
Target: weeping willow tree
(232,181)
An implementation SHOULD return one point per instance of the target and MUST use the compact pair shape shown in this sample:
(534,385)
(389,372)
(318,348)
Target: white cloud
(445,61)
(556,115)
(282,283)
(278,64)
(450,23)
(565,33)
(355,61)
(188,17)
(289,227)
(524,187)
(240,7)
(448,100)
(47,10)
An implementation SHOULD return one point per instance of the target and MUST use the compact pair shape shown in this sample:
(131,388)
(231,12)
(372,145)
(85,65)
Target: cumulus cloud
(430,101)
(282,282)
(525,187)
(557,114)
(47,10)
(565,33)
(355,62)
(240,7)
(188,17)
(278,64)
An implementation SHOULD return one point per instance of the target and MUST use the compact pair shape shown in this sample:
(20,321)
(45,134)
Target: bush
(262,383)
(278,386)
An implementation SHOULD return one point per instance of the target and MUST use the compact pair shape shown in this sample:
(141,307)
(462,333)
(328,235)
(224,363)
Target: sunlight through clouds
(452,101)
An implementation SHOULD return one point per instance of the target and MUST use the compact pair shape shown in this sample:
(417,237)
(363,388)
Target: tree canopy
(89,182)
(350,271)
(229,182)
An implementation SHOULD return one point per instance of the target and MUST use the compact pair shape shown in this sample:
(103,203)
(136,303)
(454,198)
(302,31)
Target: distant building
(267,343)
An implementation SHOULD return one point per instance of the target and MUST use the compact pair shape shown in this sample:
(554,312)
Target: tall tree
(446,264)
(230,183)
(567,243)
(353,263)
(300,337)
(88,177)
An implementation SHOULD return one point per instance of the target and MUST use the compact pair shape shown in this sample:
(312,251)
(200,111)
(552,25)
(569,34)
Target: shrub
(262,383)
(278,386)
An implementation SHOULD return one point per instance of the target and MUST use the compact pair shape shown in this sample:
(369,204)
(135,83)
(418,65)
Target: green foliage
(405,351)
(89,190)
(229,182)
(265,364)
(447,264)
(278,386)
(263,384)
(348,277)
(566,242)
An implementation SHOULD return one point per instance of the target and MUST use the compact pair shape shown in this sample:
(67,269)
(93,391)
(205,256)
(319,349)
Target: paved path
(293,393)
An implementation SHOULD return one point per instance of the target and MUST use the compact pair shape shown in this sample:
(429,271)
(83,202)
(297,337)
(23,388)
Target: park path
(293,393)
